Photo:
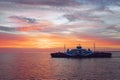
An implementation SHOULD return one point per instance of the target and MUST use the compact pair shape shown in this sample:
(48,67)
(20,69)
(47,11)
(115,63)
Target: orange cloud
(35,27)
(40,41)
(101,41)
(29,28)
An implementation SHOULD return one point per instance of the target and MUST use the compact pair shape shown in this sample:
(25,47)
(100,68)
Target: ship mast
(64,48)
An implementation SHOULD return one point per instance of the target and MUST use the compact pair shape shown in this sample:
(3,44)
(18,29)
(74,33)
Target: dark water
(40,66)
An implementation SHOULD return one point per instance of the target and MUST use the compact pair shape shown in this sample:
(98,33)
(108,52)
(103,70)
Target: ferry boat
(79,52)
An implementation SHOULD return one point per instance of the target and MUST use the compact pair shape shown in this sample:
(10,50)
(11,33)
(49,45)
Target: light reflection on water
(36,66)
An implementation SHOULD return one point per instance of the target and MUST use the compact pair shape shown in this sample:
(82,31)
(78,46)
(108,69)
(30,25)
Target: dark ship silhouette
(79,52)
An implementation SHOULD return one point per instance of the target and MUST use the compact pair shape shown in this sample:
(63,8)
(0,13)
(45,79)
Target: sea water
(40,66)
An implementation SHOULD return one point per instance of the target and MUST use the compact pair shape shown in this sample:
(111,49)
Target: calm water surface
(40,66)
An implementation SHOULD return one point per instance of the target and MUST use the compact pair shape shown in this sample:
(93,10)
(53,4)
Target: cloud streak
(23,19)
(45,2)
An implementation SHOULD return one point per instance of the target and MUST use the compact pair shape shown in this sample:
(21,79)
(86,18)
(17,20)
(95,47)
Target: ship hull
(94,55)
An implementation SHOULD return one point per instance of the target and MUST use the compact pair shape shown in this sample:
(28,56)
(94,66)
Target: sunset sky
(53,23)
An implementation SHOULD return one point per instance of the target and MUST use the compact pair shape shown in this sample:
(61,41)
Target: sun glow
(46,43)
